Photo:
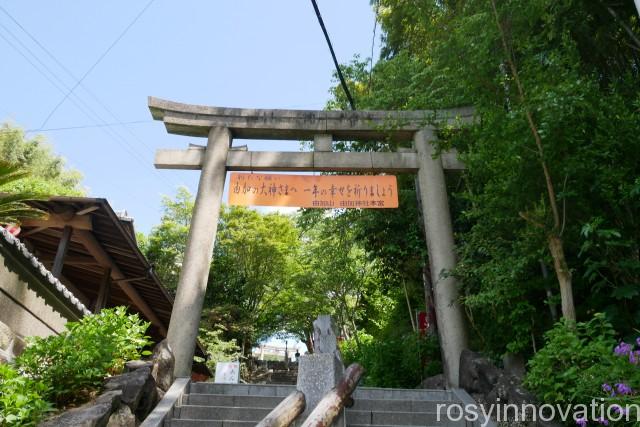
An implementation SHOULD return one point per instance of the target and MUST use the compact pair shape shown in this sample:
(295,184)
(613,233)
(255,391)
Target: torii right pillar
(442,254)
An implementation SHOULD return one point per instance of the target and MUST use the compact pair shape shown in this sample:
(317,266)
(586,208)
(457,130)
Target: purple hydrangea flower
(622,349)
(623,389)
(634,357)
(638,341)
(603,421)
(619,409)
(582,422)
(607,388)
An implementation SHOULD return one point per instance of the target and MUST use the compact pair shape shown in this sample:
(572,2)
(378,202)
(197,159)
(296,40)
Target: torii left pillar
(192,284)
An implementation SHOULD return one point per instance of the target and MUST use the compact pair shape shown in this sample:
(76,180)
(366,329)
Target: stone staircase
(287,376)
(244,405)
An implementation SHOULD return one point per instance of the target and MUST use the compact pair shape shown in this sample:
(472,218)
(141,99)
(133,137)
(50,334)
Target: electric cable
(95,64)
(333,55)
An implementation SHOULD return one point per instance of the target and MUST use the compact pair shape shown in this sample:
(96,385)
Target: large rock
(163,363)
(477,373)
(509,389)
(514,364)
(6,336)
(138,390)
(132,365)
(94,414)
(7,343)
(435,382)
(148,402)
(123,417)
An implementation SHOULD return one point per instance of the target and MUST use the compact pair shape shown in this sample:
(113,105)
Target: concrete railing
(163,409)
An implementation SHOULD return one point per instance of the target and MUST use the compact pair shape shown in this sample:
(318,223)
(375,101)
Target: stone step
(397,418)
(209,423)
(403,394)
(202,412)
(242,389)
(285,374)
(397,405)
(269,402)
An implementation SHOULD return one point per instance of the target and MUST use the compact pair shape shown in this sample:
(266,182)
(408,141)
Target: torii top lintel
(250,123)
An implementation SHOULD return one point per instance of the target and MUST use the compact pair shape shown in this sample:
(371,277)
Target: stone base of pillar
(317,374)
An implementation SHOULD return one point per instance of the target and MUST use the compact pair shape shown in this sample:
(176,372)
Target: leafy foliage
(579,362)
(578,68)
(217,348)
(22,399)
(12,205)
(164,247)
(400,362)
(47,174)
(76,361)
(574,76)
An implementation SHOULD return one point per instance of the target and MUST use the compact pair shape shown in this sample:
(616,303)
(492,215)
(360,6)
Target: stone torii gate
(221,125)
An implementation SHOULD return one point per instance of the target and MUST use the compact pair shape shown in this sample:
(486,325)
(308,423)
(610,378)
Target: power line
(95,64)
(373,41)
(333,55)
(72,75)
(109,131)
(61,86)
(135,122)
(82,106)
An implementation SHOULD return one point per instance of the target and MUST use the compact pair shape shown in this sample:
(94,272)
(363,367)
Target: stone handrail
(286,412)
(173,396)
(332,403)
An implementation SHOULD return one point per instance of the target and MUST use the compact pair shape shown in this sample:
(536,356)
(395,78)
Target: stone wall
(126,399)
(23,312)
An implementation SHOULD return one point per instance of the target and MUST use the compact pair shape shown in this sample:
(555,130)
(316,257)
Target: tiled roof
(42,270)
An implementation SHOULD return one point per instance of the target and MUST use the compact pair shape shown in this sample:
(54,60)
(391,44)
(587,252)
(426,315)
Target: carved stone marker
(325,339)
(319,372)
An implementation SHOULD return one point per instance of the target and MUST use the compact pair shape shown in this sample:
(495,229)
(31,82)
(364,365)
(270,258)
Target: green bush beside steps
(68,368)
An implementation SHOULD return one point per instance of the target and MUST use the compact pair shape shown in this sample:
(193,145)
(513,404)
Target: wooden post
(63,246)
(286,412)
(104,292)
(104,259)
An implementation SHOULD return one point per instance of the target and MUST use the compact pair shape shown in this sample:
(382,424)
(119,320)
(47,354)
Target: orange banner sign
(312,191)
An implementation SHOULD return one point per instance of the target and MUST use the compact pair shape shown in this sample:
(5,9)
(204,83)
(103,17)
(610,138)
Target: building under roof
(82,257)
(94,253)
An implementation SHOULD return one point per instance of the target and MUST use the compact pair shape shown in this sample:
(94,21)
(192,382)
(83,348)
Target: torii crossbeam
(220,125)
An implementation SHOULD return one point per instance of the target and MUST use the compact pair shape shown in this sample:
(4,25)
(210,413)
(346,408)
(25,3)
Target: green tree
(164,247)
(47,172)
(335,277)
(255,259)
(555,90)
(12,205)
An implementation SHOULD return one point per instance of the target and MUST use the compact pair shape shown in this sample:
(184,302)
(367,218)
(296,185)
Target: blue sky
(243,53)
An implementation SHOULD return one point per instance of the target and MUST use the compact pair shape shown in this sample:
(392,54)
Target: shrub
(74,363)
(22,401)
(218,350)
(581,363)
(400,361)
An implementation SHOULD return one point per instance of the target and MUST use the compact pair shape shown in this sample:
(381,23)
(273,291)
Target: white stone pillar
(442,256)
(187,307)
